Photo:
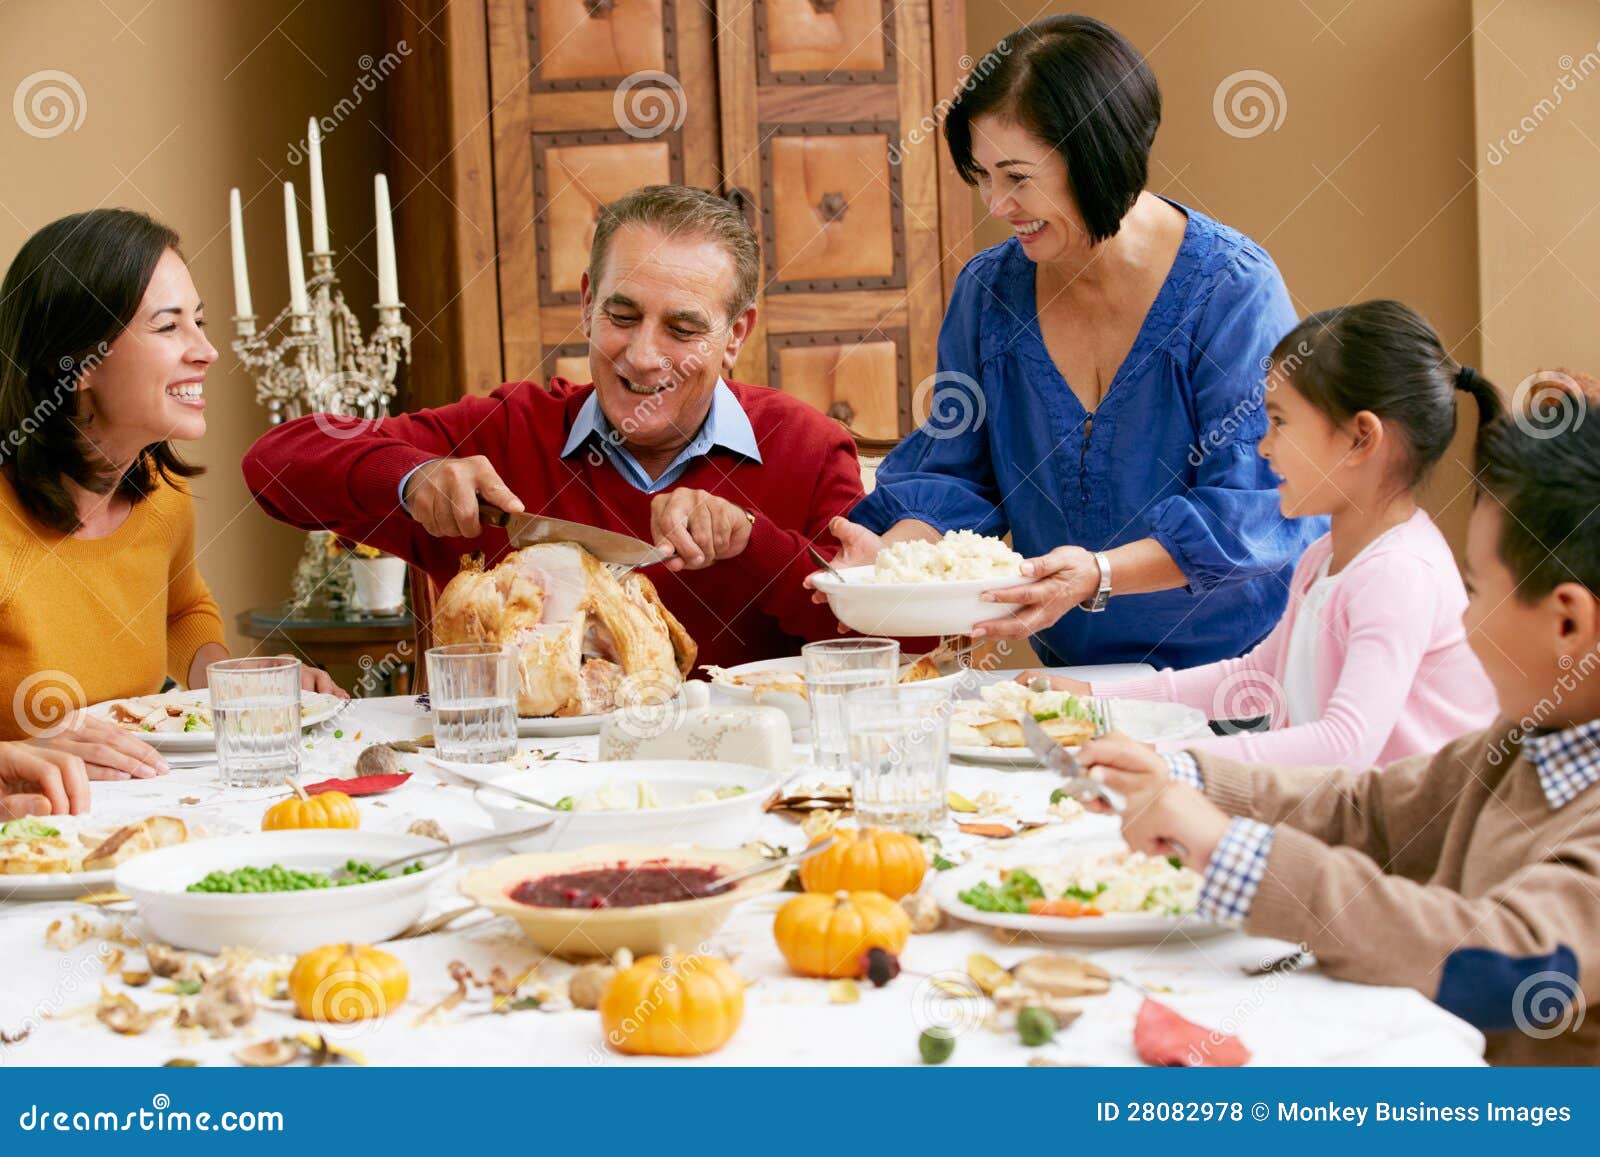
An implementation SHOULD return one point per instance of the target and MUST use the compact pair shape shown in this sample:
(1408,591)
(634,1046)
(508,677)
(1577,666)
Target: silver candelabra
(319,362)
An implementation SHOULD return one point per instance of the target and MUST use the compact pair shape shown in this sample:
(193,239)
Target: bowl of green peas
(283,891)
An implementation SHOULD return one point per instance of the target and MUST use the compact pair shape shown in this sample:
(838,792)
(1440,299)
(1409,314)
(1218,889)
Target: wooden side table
(382,647)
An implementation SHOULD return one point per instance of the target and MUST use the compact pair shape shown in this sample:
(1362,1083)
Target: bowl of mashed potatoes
(924,588)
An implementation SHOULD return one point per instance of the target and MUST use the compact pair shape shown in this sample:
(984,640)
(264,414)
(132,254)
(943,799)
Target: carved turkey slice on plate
(584,642)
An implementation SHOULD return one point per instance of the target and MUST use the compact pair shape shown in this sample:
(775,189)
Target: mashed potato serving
(959,555)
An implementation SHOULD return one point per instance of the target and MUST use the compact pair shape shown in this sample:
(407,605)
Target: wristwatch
(1102,594)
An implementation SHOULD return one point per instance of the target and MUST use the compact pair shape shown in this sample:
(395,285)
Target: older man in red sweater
(736,480)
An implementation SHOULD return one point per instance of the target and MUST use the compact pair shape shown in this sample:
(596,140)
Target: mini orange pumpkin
(329,809)
(831,935)
(672,1006)
(345,983)
(866,860)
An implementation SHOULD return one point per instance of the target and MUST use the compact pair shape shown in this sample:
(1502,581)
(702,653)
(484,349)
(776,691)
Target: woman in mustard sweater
(103,354)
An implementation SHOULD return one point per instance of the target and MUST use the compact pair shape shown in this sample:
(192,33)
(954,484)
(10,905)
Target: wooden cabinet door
(591,98)
(819,100)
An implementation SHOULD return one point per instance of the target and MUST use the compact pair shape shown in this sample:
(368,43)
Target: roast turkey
(584,642)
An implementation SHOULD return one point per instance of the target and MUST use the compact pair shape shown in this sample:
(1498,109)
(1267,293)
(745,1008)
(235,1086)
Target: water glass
(474,695)
(833,669)
(255,712)
(899,756)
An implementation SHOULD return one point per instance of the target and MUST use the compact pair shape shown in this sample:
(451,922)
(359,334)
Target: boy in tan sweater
(1471,875)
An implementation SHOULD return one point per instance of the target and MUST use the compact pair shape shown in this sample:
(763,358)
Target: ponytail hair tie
(1465,377)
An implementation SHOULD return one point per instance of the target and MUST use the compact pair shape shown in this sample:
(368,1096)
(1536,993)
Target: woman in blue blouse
(1100,377)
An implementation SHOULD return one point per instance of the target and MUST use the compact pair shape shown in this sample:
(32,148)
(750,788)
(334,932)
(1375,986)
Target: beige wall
(1538,111)
(1365,187)
(186,99)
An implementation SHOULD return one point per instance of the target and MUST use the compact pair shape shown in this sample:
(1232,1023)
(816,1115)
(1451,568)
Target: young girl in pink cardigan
(1369,662)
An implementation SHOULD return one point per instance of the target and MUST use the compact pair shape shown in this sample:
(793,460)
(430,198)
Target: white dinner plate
(315,708)
(1148,722)
(54,885)
(1112,928)
(559,726)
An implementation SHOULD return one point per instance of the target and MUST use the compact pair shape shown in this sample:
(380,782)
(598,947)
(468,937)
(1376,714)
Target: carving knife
(606,545)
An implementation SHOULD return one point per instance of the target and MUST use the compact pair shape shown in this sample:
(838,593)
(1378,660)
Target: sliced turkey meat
(584,642)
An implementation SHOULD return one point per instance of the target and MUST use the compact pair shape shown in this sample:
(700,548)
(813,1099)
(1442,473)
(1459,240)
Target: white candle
(388,280)
(297,269)
(241,274)
(319,198)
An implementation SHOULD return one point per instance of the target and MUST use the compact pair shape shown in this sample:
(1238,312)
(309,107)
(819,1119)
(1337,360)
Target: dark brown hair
(1383,357)
(1541,463)
(72,289)
(1082,89)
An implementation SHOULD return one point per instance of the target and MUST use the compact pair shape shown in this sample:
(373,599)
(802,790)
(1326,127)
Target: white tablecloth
(1302,1018)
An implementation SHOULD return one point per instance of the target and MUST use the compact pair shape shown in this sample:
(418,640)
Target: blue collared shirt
(726,425)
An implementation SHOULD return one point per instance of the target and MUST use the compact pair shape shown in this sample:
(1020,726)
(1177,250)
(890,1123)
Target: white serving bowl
(583,933)
(904,610)
(724,823)
(279,922)
(795,706)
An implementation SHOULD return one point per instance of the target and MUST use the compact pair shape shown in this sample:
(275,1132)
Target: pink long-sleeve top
(1391,666)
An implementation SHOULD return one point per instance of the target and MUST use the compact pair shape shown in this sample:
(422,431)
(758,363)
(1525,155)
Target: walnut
(924,910)
(429,829)
(224,1004)
(379,759)
(170,963)
(588,985)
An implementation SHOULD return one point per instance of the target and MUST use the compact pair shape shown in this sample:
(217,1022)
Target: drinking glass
(474,698)
(255,712)
(834,668)
(899,756)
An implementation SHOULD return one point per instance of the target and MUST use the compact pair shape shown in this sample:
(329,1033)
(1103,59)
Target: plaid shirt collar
(1567,761)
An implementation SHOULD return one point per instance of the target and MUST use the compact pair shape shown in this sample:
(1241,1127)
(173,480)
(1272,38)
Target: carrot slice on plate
(1065,906)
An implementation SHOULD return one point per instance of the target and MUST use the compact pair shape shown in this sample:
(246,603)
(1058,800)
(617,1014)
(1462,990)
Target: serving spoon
(446,849)
(766,866)
(817,558)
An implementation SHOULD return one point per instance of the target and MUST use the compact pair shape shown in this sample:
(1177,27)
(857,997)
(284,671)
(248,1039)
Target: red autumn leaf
(1162,1037)
(361,785)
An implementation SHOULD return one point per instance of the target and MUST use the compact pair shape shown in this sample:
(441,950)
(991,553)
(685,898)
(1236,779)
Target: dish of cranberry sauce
(619,886)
